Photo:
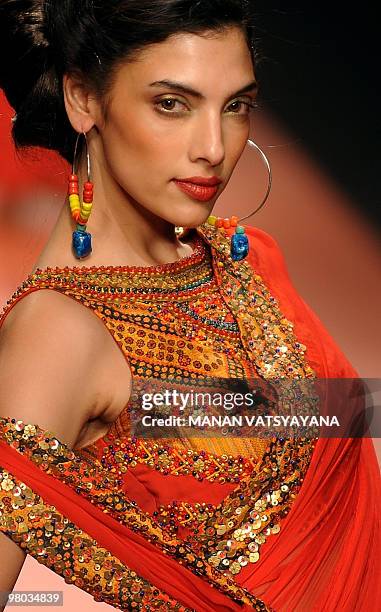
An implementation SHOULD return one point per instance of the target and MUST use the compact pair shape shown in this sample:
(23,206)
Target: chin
(191,218)
(191,223)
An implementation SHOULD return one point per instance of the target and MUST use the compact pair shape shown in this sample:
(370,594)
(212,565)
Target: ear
(81,108)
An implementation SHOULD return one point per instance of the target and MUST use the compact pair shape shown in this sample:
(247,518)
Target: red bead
(88,199)
(219,222)
(88,186)
(73,189)
(73,178)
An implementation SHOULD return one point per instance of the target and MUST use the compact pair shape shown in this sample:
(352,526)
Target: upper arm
(55,357)
(52,370)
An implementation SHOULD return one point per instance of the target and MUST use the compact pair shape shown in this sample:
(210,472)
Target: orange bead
(234,222)
(226,223)
(219,222)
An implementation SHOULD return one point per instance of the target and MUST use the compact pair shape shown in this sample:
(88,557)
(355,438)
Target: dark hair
(43,40)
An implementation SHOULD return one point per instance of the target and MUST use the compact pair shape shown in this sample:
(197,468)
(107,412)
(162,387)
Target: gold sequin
(208,316)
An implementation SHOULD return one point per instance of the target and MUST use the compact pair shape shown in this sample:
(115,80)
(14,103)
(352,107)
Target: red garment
(327,554)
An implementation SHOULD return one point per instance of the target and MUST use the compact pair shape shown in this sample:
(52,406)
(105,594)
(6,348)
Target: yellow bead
(211,220)
(74,202)
(87,206)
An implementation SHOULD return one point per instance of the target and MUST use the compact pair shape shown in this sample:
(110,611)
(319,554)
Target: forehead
(210,60)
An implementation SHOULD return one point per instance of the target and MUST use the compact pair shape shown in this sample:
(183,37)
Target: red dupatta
(328,557)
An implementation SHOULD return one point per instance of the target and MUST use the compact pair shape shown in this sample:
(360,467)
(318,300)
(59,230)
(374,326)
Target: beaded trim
(46,534)
(170,460)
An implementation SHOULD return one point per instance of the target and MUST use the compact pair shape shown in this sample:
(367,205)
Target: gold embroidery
(179,320)
(40,530)
(86,475)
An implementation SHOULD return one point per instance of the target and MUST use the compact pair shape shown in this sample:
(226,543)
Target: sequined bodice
(209,502)
(170,321)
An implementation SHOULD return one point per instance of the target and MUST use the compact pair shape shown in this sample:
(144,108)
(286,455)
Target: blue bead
(239,246)
(81,244)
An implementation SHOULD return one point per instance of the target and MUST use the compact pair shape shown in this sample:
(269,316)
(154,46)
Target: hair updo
(42,40)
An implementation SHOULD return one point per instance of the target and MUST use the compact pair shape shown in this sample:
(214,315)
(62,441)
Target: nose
(207,139)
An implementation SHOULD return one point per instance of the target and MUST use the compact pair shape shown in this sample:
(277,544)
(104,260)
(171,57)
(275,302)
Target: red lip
(199,180)
(203,193)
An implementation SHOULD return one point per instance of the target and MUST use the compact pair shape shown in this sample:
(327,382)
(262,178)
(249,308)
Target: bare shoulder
(56,358)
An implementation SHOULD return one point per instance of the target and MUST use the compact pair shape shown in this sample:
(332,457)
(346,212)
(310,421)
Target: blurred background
(319,124)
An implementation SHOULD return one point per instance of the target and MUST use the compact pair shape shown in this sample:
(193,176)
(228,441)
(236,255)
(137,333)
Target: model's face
(156,132)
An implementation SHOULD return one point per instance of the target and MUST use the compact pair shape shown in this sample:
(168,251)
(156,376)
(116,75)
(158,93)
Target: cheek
(234,151)
(137,156)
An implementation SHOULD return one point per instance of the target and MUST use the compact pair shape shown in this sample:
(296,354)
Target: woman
(162,91)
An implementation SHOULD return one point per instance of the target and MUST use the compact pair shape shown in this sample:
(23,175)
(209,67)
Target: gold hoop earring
(239,243)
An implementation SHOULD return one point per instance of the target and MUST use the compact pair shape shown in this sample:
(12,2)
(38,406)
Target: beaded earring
(80,211)
(239,243)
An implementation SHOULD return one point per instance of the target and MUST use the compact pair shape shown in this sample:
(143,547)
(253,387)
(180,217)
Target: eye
(238,105)
(168,105)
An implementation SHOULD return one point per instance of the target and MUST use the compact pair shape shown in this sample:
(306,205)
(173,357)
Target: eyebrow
(166,83)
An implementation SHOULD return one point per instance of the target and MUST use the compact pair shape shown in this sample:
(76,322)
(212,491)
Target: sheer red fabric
(329,551)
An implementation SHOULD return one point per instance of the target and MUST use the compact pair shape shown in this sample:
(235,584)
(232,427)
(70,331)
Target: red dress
(202,524)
